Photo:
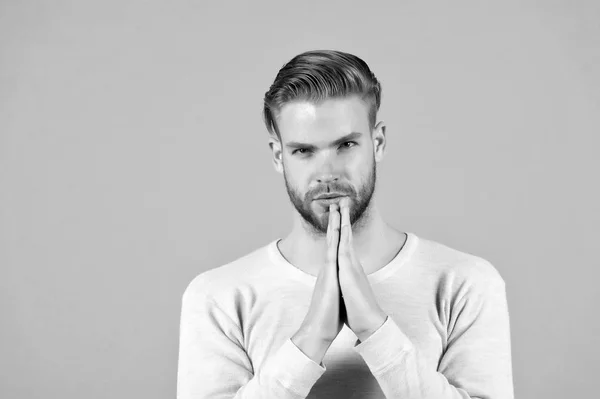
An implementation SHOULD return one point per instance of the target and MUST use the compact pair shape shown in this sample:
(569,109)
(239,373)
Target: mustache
(332,189)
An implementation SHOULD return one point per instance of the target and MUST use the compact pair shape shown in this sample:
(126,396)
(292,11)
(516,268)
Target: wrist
(375,325)
(312,346)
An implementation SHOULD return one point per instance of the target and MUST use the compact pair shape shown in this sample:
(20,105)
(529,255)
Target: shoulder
(456,266)
(227,280)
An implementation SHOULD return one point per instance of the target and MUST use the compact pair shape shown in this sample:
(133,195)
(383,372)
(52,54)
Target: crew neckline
(379,275)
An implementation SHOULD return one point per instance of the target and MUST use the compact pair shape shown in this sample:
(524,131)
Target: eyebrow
(341,140)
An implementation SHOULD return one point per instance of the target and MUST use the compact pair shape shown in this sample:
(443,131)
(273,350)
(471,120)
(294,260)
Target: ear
(277,151)
(379,141)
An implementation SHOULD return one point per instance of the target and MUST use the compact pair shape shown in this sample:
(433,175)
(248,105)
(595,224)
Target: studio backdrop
(133,157)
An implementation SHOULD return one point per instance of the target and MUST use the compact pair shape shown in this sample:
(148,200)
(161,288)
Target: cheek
(360,172)
(296,178)
(304,168)
(359,165)
(296,174)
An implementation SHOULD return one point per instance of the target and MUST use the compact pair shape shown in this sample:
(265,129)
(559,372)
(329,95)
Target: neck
(371,236)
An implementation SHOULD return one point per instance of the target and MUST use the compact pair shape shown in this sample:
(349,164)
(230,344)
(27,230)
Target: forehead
(331,118)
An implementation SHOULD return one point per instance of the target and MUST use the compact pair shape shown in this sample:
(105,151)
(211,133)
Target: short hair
(319,75)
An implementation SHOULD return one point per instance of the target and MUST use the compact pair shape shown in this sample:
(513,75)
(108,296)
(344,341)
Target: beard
(316,216)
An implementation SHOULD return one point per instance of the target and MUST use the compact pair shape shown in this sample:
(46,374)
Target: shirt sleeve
(213,362)
(475,364)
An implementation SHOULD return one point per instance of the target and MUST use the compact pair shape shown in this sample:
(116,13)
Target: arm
(475,364)
(214,364)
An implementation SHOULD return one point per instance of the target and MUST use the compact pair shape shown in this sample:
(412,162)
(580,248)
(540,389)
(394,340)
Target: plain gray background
(133,157)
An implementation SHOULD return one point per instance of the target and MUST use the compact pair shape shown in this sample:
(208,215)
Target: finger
(346,227)
(345,248)
(335,225)
(347,237)
(329,224)
(334,232)
(350,236)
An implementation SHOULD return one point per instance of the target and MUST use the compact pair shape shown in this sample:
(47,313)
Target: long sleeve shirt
(446,335)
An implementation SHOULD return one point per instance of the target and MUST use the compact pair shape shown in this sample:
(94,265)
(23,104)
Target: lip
(329,196)
(325,202)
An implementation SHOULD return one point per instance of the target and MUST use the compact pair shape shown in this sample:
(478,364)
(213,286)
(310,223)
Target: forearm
(403,373)
(312,346)
(213,363)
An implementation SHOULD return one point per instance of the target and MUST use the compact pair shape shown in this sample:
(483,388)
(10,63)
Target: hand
(363,314)
(324,320)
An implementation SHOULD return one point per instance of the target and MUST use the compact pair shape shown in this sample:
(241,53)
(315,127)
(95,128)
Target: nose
(328,170)
(327,178)
(327,174)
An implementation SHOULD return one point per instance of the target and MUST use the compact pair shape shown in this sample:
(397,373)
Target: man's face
(327,148)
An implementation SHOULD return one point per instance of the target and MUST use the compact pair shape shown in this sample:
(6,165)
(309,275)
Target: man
(345,305)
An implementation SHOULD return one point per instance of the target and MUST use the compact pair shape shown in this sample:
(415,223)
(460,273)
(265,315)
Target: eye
(301,150)
(348,142)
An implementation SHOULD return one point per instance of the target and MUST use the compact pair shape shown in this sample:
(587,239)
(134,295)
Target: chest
(347,374)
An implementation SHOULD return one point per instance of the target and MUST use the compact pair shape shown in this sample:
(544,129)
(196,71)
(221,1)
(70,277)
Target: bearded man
(345,305)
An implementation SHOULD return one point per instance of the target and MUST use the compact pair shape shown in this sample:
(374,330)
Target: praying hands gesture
(342,292)
(363,314)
